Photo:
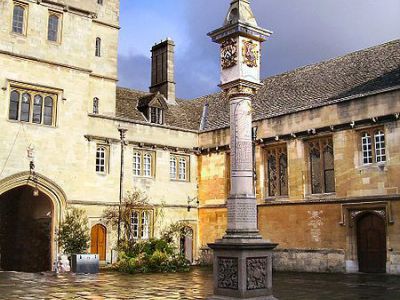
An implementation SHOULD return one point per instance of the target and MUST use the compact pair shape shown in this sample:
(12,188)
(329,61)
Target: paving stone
(190,286)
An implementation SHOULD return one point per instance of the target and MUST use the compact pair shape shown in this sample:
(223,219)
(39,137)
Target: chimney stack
(162,70)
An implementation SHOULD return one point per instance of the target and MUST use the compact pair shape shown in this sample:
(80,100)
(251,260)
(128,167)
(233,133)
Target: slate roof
(321,84)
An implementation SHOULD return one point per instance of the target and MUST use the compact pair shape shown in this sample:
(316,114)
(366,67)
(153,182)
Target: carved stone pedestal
(242,270)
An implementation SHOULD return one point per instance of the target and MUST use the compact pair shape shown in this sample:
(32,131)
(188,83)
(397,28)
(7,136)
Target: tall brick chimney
(162,70)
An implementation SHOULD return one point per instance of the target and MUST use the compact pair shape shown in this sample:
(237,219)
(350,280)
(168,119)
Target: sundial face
(250,53)
(228,54)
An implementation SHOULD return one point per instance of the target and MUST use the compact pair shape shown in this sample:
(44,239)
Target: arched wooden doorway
(26,222)
(186,243)
(98,241)
(371,244)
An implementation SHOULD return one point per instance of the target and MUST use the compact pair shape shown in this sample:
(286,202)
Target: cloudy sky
(305,32)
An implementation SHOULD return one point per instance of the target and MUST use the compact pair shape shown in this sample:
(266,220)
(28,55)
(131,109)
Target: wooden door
(98,241)
(371,243)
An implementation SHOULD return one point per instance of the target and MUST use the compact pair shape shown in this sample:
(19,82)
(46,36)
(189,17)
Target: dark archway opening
(371,244)
(25,230)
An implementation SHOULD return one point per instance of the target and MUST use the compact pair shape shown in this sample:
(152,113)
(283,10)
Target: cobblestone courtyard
(195,285)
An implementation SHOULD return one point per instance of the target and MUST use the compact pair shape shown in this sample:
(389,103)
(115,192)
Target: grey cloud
(305,32)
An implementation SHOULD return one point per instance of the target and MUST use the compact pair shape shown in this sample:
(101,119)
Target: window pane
(283,176)
(100,160)
(53,28)
(14,105)
(145,225)
(366,143)
(37,109)
(48,111)
(135,225)
(172,168)
(316,180)
(329,172)
(18,19)
(25,107)
(380,150)
(137,164)
(147,165)
(182,169)
(272,176)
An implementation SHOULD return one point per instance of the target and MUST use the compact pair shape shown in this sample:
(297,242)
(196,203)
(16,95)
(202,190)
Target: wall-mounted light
(191,200)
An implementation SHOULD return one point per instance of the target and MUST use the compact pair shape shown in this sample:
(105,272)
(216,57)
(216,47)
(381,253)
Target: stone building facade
(327,149)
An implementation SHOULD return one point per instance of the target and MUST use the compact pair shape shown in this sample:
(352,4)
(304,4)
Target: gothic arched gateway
(31,207)
(371,243)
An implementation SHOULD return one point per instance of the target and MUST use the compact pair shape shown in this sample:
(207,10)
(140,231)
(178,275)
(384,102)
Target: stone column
(242,206)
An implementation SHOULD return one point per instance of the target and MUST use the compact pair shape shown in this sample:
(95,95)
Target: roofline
(339,100)
(131,121)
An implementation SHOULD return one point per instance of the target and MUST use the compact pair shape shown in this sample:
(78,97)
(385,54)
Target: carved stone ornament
(228,54)
(240,90)
(257,273)
(250,54)
(228,273)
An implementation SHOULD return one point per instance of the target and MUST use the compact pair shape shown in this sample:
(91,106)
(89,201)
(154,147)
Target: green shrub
(155,255)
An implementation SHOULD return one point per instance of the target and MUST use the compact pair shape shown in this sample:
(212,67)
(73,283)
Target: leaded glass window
(141,224)
(373,146)
(18,19)
(182,168)
(53,24)
(172,167)
(101,159)
(147,164)
(380,148)
(277,174)
(137,164)
(145,225)
(31,106)
(14,105)
(37,109)
(322,171)
(48,111)
(25,107)
(366,143)
(135,225)
(143,163)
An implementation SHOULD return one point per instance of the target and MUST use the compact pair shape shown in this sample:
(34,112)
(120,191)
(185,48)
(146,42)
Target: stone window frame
(322,141)
(177,175)
(104,168)
(100,2)
(25,7)
(279,150)
(375,158)
(138,222)
(33,92)
(141,171)
(59,15)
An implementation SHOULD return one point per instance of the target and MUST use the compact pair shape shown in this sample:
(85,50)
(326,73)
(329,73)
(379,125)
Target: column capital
(240,88)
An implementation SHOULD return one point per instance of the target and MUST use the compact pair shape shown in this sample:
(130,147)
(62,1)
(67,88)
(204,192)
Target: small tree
(74,232)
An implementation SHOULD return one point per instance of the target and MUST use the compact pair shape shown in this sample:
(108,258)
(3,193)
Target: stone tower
(242,259)
(162,70)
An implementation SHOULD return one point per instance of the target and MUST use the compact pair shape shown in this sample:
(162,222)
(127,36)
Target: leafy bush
(74,235)
(155,255)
